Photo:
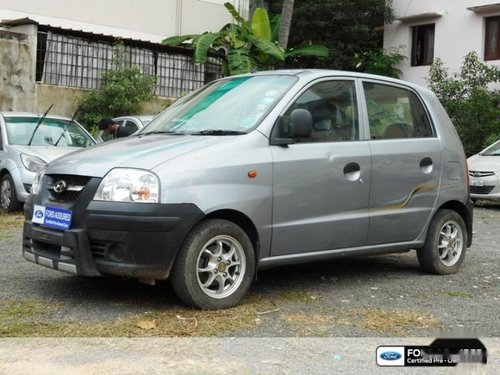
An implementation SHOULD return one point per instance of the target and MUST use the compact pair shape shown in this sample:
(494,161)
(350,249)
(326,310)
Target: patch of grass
(9,221)
(395,321)
(176,322)
(457,293)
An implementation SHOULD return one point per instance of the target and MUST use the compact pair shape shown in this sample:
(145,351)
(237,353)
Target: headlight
(35,187)
(32,163)
(129,185)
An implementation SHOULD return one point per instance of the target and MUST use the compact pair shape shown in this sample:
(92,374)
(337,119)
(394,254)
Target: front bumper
(125,239)
(487,187)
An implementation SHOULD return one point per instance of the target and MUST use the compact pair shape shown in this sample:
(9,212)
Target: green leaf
(176,40)
(240,62)
(261,28)
(269,48)
(203,45)
(230,7)
(310,50)
(275,27)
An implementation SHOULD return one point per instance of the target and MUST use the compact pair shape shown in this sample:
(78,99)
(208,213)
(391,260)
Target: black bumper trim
(124,239)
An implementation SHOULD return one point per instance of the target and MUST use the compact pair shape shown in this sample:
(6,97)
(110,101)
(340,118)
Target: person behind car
(110,127)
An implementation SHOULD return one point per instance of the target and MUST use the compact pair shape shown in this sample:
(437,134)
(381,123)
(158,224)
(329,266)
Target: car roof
(140,117)
(31,114)
(311,74)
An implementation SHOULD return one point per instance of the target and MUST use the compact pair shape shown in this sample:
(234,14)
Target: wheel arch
(465,211)
(242,221)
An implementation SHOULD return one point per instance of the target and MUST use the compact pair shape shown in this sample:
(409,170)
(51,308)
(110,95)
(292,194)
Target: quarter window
(492,39)
(334,111)
(395,112)
(422,49)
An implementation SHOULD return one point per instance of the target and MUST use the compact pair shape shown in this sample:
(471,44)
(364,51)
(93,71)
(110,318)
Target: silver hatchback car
(257,171)
(28,142)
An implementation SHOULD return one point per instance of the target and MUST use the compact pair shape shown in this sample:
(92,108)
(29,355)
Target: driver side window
(333,109)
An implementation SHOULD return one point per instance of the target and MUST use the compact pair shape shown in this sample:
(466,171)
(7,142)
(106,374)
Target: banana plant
(247,45)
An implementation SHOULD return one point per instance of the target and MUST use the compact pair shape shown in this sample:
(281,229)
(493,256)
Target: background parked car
(26,148)
(131,123)
(484,172)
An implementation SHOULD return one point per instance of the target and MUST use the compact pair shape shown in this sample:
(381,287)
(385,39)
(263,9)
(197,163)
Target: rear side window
(395,112)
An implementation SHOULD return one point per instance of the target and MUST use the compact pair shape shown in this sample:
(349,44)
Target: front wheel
(445,244)
(215,266)
(8,198)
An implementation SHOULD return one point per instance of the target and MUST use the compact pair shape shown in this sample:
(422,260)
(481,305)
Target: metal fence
(77,59)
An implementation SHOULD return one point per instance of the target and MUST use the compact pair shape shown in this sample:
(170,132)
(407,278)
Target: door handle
(352,171)
(426,165)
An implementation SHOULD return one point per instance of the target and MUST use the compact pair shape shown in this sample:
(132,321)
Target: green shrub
(123,88)
(471,102)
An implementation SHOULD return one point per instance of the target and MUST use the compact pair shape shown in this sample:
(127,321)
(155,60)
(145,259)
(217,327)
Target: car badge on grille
(60,186)
(475,174)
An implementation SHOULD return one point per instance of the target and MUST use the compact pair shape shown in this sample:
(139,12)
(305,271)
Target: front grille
(74,186)
(481,189)
(480,174)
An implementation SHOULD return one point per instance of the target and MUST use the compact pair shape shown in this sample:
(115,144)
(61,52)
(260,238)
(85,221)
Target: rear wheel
(8,195)
(215,266)
(445,244)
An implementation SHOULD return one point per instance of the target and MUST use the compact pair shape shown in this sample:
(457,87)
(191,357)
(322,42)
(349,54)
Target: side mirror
(300,123)
(300,126)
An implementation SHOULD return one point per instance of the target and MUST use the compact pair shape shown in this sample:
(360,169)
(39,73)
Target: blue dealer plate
(52,217)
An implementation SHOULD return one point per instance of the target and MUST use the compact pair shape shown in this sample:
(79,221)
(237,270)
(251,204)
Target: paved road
(381,298)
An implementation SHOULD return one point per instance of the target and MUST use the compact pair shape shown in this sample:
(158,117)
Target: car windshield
(51,132)
(493,150)
(231,106)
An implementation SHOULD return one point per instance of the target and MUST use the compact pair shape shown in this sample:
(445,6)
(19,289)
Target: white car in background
(484,173)
(28,142)
(131,123)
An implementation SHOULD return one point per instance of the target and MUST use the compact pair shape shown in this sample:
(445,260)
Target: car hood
(46,153)
(143,152)
(484,163)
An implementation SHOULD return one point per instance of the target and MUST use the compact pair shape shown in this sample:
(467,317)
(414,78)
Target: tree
(380,61)
(345,27)
(471,104)
(123,88)
(286,22)
(247,45)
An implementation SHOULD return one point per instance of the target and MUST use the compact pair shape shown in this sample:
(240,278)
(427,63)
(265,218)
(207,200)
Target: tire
(8,195)
(445,244)
(215,266)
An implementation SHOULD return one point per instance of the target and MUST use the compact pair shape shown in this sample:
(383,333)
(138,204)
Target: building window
(422,50)
(491,39)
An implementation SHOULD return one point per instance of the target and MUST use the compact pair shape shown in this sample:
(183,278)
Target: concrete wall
(17,69)
(65,100)
(458,32)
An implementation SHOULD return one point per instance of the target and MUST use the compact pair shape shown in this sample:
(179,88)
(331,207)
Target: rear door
(321,183)
(406,163)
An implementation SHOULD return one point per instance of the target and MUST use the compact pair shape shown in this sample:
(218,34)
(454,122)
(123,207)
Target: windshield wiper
(219,132)
(67,125)
(160,132)
(39,123)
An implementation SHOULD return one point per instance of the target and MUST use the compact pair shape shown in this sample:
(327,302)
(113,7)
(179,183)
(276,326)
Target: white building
(445,29)
(148,20)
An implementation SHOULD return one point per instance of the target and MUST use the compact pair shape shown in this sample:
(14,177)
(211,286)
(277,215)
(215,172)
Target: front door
(321,183)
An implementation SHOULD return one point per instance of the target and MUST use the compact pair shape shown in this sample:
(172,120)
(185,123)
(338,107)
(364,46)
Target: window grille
(79,60)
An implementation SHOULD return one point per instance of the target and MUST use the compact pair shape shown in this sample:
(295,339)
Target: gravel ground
(317,318)
(305,297)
